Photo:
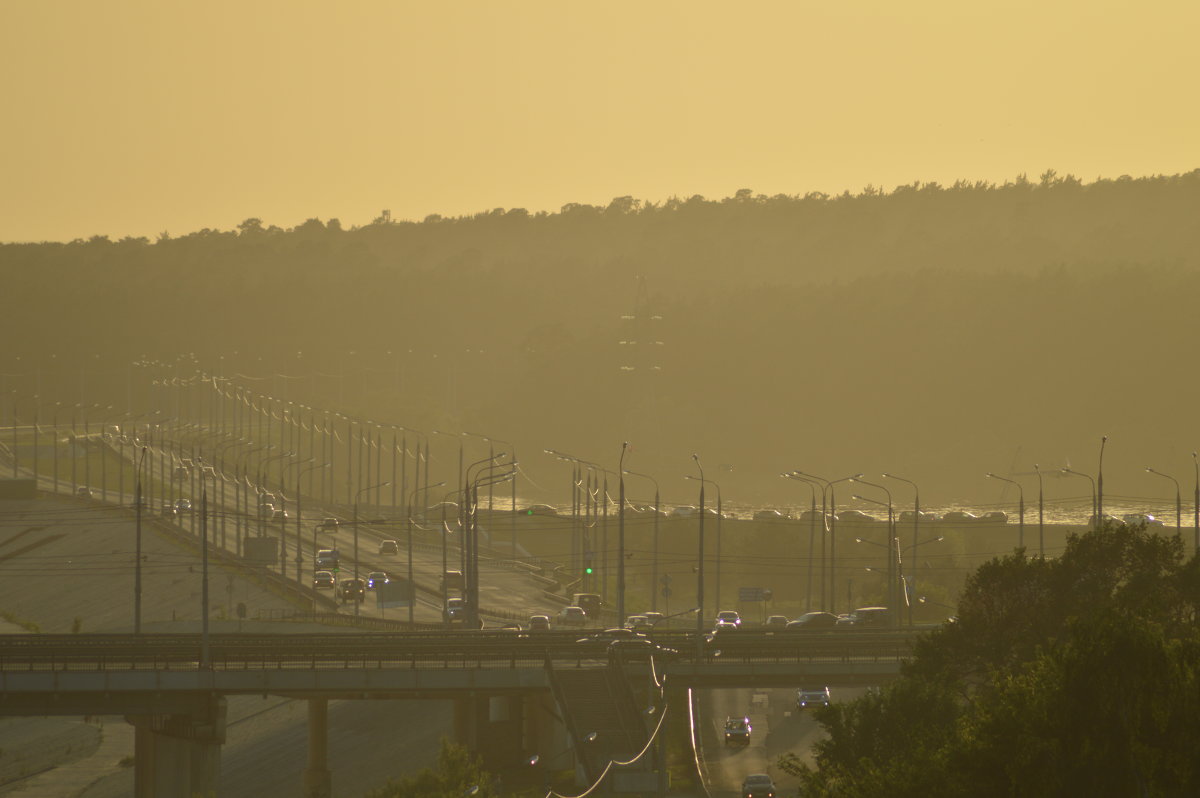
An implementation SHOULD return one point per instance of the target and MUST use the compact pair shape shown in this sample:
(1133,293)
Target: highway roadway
(778,728)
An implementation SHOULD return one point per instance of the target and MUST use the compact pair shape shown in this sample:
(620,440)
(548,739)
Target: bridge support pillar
(179,756)
(318,783)
(470,720)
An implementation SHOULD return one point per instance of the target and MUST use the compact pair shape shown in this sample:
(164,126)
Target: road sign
(666,592)
(395,592)
(665,579)
(751,593)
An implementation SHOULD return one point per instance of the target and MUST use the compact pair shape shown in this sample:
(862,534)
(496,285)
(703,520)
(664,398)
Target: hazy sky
(135,117)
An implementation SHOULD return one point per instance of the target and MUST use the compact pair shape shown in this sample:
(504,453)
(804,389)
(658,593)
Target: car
(183,506)
(328,525)
(813,622)
(776,622)
(769,515)
(539,509)
(455,610)
(814,515)
(281,515)
(686,511)
(637,623)
(572,616)
(389,547)
(375,579)
(323,579)
(609,635)
(181,473)
(1110,520)
(1139,519)
(758,785)
(654,618)
(352,590)
(855,517)
(168,510)
(266,511)
(809,698)
(995,517)
(845,621)
(960,517)
(723,628)
(84,492)
(907,517)
(872,618)
(729,616)
(539,623)
(737,731)
(327,559)
(591,602)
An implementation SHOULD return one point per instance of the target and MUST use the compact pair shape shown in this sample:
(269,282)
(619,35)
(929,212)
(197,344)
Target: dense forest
(937,332)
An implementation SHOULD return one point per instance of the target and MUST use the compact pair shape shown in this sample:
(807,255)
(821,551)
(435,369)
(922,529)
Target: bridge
(172,687)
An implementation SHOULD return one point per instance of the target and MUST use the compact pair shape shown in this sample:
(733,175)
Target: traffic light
(587,569)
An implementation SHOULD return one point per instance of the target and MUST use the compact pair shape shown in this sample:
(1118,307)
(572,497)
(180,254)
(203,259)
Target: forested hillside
(933,331)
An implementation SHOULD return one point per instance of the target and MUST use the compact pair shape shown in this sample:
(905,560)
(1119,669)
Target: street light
(413,598)
(1100,481)
(916,531)
(621,534)
(299,515)
(1021,511)
(893,553)
(1041,514)
(812,533)
(720,516)
(1178,500)
(700,569)
(1196,505)
(654,567)
(1096,520)
(357,603)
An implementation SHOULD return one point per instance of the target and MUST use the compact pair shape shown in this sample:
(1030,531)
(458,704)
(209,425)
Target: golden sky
(132,117)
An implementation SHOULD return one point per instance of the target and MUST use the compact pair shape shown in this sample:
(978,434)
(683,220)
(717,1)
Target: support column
(179,756)
(144,757)
(318,782)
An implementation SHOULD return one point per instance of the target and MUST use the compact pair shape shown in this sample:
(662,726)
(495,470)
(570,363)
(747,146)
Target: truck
(452,582)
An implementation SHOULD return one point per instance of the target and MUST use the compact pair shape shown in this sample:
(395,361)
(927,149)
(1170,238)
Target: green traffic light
(588,570)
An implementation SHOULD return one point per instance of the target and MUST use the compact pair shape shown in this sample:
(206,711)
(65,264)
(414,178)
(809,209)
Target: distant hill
(935,329)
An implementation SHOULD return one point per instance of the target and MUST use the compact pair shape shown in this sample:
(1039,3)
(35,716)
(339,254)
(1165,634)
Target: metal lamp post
(720,516)
(812,533)
(357,603)
(1196,505)
(1041,514)
(1100,481)
(621,534)
(1021,505)
(1097,520)
(1178,500)
(657,513)
(300,515)
(412,499)
(890,546)
(700,569)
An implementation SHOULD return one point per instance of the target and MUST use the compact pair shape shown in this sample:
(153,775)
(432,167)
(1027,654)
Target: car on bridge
(352,590)
(375,579)
(572,616)
(758,785)
(183,506)
(729,616)
(812,698)
(737,731)
(389,547)
(540,509)
(539,623)
(637,648)
(776,622)
(84,492)
(455,611)
(770,515)
(638,623)
(326,559)
(324,579)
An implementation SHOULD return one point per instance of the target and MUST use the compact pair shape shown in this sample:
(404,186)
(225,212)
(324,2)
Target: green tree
(458,774)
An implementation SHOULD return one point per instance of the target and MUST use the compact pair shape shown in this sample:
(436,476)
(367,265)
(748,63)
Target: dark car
(855,517)
(758,785)
(352,590)
(375,579)
(813,622)
(737,731)
(960,517)
(323,579)
(769,515)
(776,622)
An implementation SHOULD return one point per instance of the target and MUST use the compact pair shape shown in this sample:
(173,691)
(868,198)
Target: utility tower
(641,366)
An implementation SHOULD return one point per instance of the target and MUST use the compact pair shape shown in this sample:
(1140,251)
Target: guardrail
(420,649)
